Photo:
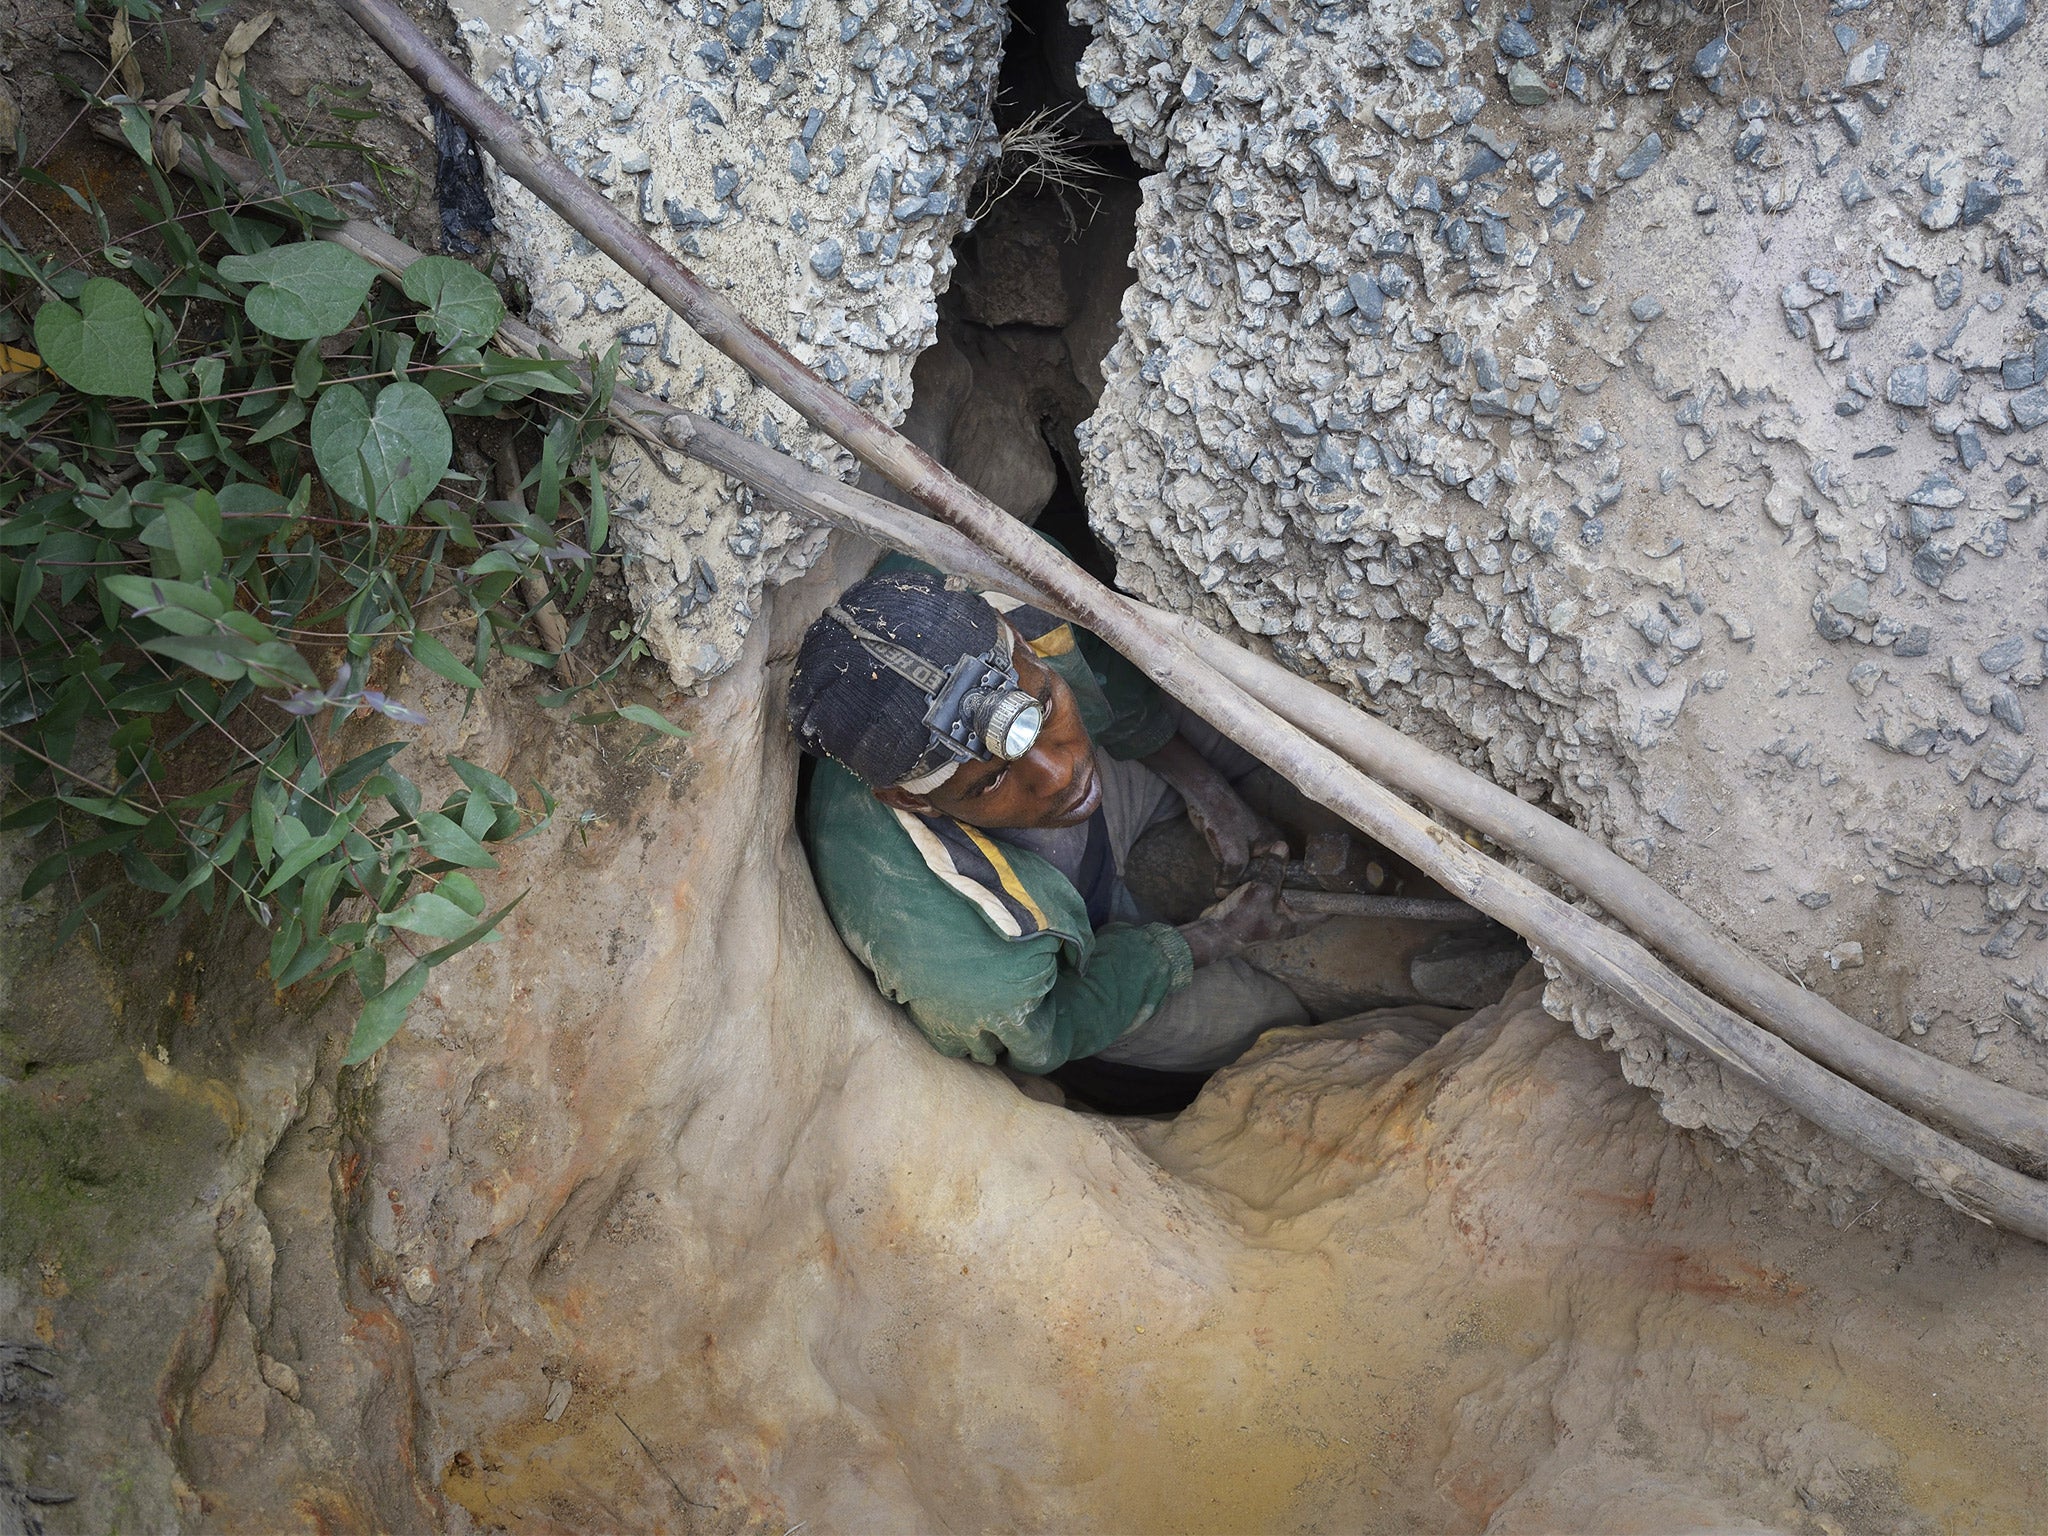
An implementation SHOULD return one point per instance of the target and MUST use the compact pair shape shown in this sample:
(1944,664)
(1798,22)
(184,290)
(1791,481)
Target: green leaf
(178,606)
(284,944)
(269,663)
(357,769)
(436,657)
(317,949)
(135,129)
(640,714)
(193,545)
(216,655)
(435,916)
(404,443)
(462,304)
(383,1015)
(103,347)
(445,840)
(317,894)
(484,782)
(313,848)
(305,290)
(463,891)
(476,935)
(281,421)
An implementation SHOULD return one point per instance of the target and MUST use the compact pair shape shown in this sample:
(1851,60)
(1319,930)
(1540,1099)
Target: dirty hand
(1251,914)
(1234,831)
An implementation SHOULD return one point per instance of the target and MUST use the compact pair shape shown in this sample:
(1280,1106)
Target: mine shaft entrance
(1024,327)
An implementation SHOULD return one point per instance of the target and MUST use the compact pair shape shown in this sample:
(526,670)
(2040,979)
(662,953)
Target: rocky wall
(812,159)
(1650,416)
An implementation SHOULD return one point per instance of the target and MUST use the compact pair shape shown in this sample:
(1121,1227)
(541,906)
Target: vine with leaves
(227,513)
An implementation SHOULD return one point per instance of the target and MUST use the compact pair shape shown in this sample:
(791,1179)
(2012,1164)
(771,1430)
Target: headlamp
(975,711)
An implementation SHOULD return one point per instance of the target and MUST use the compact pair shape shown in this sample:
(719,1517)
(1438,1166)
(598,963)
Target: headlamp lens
(1013,726)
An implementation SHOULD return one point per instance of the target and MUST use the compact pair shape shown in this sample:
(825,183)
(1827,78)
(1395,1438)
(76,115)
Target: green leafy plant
(227,514)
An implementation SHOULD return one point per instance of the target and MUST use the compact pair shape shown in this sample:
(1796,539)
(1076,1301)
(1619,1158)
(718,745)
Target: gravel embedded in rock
(1997,21)
(1868,66)
(1526,87)
(1516,41)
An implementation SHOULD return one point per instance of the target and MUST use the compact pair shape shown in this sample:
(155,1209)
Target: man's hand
(1252,914)
(1234,831)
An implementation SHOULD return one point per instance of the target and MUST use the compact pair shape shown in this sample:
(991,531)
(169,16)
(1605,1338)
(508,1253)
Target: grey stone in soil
(1647,308)
(1516,41)
(1998,20)
(827,258)
(1948,287)
(1854,311)
(1918,640)
(1908,386)
(1868,66)
(2002,655)
(2005,764)
(1707,63)
(1640,159)
(1969,446)
(2030,408)
(1526,87)
(1981,199)
(2005,709)
(1856,190)
(1424,54)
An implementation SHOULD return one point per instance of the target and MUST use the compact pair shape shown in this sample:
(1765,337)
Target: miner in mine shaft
(986,770)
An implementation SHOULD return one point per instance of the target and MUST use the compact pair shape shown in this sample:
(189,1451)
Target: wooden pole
(1935,1164)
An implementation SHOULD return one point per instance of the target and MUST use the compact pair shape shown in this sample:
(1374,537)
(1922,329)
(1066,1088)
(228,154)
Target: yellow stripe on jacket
(1008,876)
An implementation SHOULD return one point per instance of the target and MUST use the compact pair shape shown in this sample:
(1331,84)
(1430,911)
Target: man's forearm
(1189,772)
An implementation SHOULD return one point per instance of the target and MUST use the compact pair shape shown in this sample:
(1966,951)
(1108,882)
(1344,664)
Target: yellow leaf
(121,48)
(224,90)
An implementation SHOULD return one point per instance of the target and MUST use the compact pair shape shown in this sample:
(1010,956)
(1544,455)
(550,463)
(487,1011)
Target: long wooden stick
(1935,1164)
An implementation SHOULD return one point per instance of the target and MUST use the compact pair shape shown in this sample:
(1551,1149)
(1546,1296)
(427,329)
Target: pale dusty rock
(1608,448)
(811,159)
(665,1147)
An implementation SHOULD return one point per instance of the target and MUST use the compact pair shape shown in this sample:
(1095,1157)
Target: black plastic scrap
(459,185)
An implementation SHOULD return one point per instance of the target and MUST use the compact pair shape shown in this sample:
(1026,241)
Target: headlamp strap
(906,664)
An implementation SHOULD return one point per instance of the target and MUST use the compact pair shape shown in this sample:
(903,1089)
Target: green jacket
(987,945)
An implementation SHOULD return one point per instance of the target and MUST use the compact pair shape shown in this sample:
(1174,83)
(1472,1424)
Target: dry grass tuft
(1042,152)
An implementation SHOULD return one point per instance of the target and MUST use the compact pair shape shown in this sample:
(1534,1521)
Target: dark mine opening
(1024,327)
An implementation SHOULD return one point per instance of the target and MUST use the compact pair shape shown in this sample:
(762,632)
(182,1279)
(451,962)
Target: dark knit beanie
(845,705)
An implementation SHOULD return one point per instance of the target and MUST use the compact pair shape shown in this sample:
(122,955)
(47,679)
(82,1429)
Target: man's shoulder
(894,878)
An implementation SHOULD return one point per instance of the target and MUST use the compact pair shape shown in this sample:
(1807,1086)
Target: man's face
(1053,785)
